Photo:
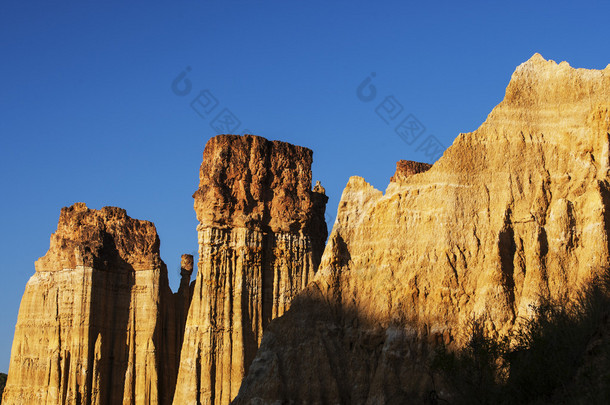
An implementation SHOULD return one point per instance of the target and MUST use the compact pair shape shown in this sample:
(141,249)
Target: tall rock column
(182,299)
(261,236)
(96,323)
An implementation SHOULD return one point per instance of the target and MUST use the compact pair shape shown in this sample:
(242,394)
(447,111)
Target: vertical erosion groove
(261,234)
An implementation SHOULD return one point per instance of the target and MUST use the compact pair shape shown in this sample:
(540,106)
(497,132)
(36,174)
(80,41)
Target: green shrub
(474,373)
(540,362)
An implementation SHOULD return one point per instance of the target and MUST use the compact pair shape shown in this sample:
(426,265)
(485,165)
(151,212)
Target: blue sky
(87,110)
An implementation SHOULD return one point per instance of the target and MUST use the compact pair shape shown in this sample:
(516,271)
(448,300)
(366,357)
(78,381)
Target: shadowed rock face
(96,323)
(261,235)
(517,209)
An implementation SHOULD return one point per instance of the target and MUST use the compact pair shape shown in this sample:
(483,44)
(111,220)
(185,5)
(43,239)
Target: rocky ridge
(516,210)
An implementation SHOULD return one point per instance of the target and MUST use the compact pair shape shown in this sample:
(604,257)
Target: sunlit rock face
(96,323)
(99,324)
(517,209)
(261,235)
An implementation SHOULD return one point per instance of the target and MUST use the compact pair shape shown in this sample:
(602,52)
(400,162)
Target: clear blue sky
(87,110)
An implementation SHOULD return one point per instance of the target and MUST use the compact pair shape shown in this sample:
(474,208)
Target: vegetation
(561,355)
(2,384)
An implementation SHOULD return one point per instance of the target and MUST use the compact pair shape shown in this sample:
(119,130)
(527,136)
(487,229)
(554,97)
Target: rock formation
(261,235)
(99,324)
(406,168)
(182,301)
(96,323)
(514,210)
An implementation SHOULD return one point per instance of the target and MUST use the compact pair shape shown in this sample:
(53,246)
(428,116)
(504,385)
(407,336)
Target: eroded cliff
(261,235)
(97,320)
(515,210)
(518,209)
(99,324)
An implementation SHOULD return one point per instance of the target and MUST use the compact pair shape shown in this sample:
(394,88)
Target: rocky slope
(96,323)
(516,209)
(261,235)
(2,384)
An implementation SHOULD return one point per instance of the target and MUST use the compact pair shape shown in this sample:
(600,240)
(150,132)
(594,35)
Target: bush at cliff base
(562,354)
